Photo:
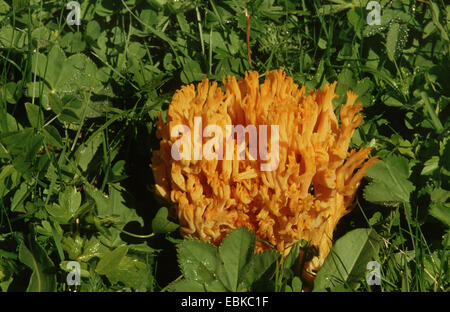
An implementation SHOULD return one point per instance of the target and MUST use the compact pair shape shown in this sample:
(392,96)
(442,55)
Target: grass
(78,106)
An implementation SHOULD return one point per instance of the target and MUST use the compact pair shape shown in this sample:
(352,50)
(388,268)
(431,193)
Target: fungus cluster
(304,197)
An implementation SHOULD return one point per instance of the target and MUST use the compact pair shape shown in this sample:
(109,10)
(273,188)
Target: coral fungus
(312,188)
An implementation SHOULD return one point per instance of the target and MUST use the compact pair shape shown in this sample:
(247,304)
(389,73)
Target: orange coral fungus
(303,198)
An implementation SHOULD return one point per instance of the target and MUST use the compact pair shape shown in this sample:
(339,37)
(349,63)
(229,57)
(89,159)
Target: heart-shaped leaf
(161,224)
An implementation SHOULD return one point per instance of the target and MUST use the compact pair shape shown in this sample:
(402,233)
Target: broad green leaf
(390,185)
(73,42)
(390,100)
(52,136)
(4,7)
(364,89)
(111,260)
(43,279)
(12,38)
(346,81)
(395,40)
(9,179)
(261,266)
(35,115)
(24,146)
(101,201)
(73,246)
(160,223)
(439,195)
(113,204)
(92,248)
(198,260)
(435,16)
(112,208)
(49,68)
(70,200)
(59,213)
(215,286)
(322,43)
(118,267)
(293,255)
(118,171)
(19,197)
(9,92)
(430,165)
(346,263)
(41,36)
(85,153)
(191,72)
(132,273)
(186,285)
(441,211)
(68,208)
(236,252)
(9,124)
(57,70)
(184,25)
(392,40)
(93,30)
(297,284)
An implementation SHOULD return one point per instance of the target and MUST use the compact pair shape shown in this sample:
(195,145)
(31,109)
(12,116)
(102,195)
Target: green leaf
(19,197)
(236,252)
(113,204)
(93,30)
(85,153)
(390,184)
(112,208)
(43,279)
(52,136)
(118,267)
(390,100)
(70,200)
(346,81)
(73,246)
(232,267)
(132,273)
(322,43)
(186,285)
(198,260)
(111,260)
(293,256)
(35,115)
(23,147)
(395,40)
(261,266)
(160,223)
(12,38)
(73,42)
(191,72)
(92,248)
(184,26)
(346,263)
(391,41)
(441,211)
(430,165)
(59,214)
(297,284)
(68,208)
(364,88)
(9,92)
(49,68)
(4,7)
